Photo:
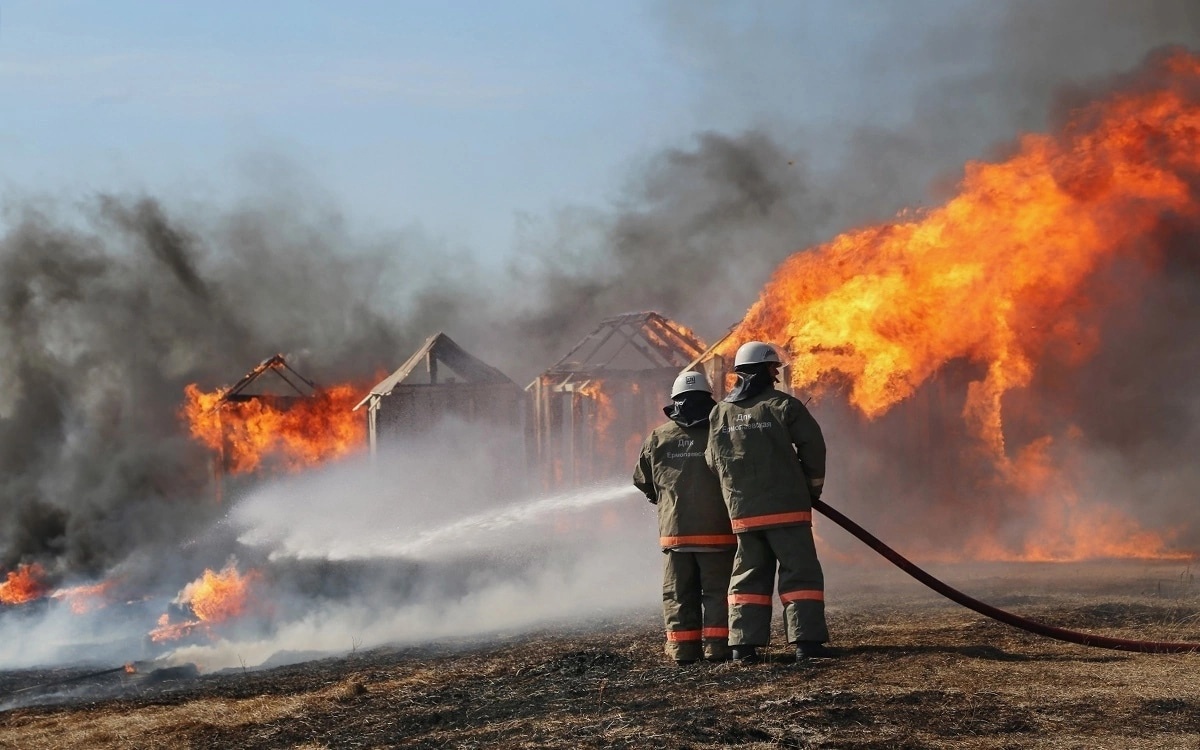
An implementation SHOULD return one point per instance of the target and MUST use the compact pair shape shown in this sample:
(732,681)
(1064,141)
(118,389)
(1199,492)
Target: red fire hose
(1008,618)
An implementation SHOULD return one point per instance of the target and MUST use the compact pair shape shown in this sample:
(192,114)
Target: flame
(213,598)
(292,433)
(992,276)
(609,447)
(605,413)
(216,597)
(23,585)
(663,343)
(604,416)
(84,599)
(995,277)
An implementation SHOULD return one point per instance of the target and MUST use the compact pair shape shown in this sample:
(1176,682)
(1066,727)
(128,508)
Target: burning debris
(213,598)
(25,584)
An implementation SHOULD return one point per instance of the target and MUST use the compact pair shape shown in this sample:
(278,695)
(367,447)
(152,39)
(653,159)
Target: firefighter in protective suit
(693,526)
(769,454)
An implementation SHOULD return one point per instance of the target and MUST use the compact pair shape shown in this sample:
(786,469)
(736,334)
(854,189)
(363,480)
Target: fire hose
(127,668)
(1008,618)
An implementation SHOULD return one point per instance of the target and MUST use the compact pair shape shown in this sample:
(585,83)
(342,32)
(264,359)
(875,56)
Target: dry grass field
(916,672)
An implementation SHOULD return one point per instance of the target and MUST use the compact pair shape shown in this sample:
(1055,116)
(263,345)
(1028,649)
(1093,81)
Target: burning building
(1006,324)
(274,418)
(591,409)
(443,397)
(440,379)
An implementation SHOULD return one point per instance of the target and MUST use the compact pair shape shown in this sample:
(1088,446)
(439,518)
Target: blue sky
(455,116)
(460,117)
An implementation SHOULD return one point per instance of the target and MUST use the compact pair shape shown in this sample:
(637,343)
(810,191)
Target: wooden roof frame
(440,348)
(662,343)
(277,365)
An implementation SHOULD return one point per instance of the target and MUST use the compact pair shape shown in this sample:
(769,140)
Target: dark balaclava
(690,409)
(751,381)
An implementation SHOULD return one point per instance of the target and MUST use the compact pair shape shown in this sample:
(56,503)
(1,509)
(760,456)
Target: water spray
(1008,618)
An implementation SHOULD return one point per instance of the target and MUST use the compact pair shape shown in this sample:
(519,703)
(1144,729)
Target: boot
(745,654)
(813,650)
(717,654)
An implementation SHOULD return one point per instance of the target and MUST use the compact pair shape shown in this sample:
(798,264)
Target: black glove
(814,490)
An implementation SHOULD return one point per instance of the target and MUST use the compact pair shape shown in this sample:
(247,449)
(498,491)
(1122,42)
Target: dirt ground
(915,672)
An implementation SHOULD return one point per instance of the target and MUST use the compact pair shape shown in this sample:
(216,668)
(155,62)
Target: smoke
(109,311)
(412,547)
(702,225)
(843,118)
(888,102)
(433,557)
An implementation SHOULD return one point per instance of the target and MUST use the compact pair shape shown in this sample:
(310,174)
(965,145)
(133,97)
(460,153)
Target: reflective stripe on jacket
(766,451)
(672,471)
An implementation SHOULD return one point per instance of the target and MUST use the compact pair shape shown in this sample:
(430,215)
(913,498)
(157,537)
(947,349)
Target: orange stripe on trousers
(755,522)
(804,595)
(764,599)
(716,632)
(683,635)
(698,540)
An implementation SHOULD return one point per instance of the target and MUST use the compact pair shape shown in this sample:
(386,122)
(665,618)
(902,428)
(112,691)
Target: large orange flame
(995,277)
(992,276)
(290,433)
(214,597)
(25,584)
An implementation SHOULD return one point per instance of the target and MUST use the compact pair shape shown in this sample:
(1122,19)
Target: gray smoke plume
(838,136)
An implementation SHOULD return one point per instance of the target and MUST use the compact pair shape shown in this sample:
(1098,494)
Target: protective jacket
(672,472)
(767,451)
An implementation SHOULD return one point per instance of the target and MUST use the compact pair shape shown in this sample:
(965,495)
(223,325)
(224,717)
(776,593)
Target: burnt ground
(916,672)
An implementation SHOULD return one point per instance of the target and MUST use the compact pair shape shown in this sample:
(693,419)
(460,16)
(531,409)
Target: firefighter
(769,454)
(693,526)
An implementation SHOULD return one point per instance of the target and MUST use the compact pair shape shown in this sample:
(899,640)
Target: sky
(467,123)
(464,119)
(453,116)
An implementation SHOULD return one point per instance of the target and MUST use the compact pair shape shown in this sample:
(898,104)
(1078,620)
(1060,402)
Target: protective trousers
(801,586)
(695,609)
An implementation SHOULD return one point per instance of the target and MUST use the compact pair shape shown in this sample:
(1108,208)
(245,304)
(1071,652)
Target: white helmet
(753,352)
(690,381)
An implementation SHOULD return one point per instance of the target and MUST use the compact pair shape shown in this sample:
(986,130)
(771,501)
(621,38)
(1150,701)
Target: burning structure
(275,415)
(440,379)
(591,409)
(1041,263)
